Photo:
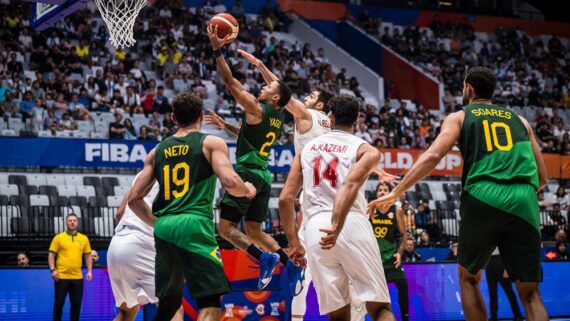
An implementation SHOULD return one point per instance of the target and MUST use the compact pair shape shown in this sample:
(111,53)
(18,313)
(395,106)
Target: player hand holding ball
(223,29)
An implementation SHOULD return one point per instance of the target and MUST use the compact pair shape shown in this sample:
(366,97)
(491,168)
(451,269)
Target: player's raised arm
(267,75)
(216,152)
(367,158)
(287,208)
(542,172)
(295,107)
(244,98)
(139,190)
(450,132)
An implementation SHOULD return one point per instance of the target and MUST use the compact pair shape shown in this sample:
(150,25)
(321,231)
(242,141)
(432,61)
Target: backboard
(48,12)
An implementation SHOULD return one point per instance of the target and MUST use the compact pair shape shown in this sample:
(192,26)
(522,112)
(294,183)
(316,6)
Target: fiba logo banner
(121,153)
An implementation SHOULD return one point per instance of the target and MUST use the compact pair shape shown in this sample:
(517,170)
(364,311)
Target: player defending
(385,223)
(131,261)
(185,166)
(332,170)
(502,172)
(262,126)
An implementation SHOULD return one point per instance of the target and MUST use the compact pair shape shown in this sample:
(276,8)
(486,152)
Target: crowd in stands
(173,43)
(530,71)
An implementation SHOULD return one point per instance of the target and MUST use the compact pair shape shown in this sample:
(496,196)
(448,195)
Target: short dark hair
(284,93)
(71,214)
(187,108)
(324,97)
(345,109)
(384,184)
(483,81)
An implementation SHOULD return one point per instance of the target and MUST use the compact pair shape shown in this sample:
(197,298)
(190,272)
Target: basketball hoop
(120,16)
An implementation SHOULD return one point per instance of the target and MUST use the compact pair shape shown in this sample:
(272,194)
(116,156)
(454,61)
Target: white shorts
(355,259)
(130,260)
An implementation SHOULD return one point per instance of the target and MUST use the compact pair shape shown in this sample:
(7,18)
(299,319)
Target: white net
(120,17)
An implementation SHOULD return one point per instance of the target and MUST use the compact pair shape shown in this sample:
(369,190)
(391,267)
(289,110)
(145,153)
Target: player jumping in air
(332,170)
(503,170)
(385,224)
(185,166)
(261,128)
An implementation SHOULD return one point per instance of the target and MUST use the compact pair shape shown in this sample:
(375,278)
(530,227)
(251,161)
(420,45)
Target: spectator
(560,235)
(131,131)
(160,104)
(144,134)
(556,216)
(410,254)
(132,101)
(409,218)
(562,198)
(95,258)
(14,65)
(423,218)
(101,104)
(67,123)
(219,7)
(425,240)
(23,260)
(51,122)
(562,251)
(9,106)
(65,257)
(117,129)
(27,106)
(362,132)
(452,255)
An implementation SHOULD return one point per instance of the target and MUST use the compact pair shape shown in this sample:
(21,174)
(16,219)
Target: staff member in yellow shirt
(64,259)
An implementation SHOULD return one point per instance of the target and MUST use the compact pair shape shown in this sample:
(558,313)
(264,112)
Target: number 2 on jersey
(329,173)
(263,151)
(183,181)
(495,139)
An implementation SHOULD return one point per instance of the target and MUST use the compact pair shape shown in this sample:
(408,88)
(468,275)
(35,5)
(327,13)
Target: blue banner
(62,152)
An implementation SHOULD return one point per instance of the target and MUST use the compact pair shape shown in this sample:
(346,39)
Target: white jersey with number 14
(326,162)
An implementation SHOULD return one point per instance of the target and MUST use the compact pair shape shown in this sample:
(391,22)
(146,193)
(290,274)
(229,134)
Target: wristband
(52,270)
(218,52)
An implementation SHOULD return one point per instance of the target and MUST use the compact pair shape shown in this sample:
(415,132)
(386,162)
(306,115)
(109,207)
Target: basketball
(227,24)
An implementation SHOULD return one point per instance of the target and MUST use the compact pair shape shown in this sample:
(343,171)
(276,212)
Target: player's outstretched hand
(251,191)
(386,177)
(251,58)
(329,240)
(214,119)
(215,40)
(383,203)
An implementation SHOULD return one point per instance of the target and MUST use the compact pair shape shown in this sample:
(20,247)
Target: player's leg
(169,280)
(520,250)
(471,298)
(127,314)
(491,273)
(507,286)
(480,228)
(329,278)
(380,311)
(299,303)
(531,301)
(403,299)
(342,314)
(203,267)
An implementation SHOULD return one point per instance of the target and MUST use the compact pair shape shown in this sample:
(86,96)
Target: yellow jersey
(69,249)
